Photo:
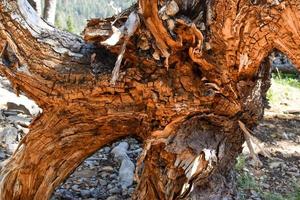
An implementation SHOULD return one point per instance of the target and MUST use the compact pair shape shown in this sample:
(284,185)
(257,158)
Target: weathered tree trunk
(50,11)
(191,71)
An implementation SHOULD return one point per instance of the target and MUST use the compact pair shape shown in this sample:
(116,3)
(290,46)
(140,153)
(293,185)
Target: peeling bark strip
(191,70)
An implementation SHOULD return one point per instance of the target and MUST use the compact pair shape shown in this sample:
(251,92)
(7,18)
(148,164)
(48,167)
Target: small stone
(293,174)
(2,155)
(293,169)
(75,188)
(115,197)
(106,149)
(285,136)
(67,194)
(104,174)
(110,186)
(254,193)
(1,116)
(265,185)
(102,182)
(85,193)
(130,191)
(96,192)
(115,190)
(275,165)
(113,176)
(9,135)
(107,169)
(135,146)
(11,148)
(84,173)
(124,192)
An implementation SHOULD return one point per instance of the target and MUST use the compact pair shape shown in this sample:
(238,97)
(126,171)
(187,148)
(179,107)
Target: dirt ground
(279,135)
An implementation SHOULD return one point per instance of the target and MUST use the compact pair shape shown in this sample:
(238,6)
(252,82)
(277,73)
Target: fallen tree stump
(178,75)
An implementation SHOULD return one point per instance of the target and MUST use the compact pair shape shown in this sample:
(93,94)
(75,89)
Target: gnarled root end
(194,160)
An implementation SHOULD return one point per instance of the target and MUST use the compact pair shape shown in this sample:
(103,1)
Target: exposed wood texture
(191,70)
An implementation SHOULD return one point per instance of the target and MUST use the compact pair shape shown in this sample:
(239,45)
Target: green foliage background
(72,15)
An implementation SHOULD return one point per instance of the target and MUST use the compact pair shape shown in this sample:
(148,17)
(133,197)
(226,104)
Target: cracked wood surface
(188,76)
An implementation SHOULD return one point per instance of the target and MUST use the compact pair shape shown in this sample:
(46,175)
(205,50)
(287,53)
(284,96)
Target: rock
(104,175)
(254,193)
(265,185)
(96,193)
(22,129)
(85,173)
(1,116)
(11,148)
(293,169)
(135,147)
(75,188)
(120,150)
(115,181)
(85,193)
(21,102)
(285,136)
(114,176)
(110,186)
(11,106)
(293,174)
(90,164)
(126,171)
(124,192)
(115,197)
(9,135)
(115,190)
(66,194)
(130,191)
(275,164)
(2,155)
(107,169)
(103,182)
(106,149)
